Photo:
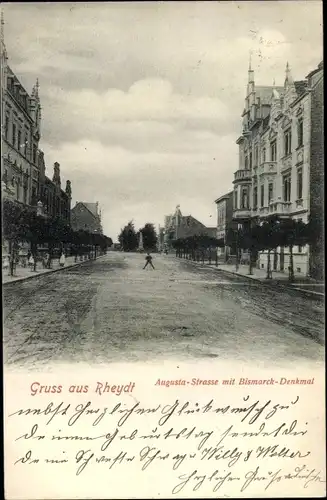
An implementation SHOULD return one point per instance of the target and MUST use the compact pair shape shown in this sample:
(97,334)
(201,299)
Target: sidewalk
(301,283)
(24,273)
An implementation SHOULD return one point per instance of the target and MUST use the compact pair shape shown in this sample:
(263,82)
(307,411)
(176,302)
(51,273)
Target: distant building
(181,226)
(85,216)
(225,223)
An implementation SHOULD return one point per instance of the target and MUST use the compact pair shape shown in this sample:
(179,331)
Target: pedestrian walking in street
(62,260)
(148,260)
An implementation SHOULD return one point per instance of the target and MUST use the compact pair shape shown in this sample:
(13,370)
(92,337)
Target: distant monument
(141,248)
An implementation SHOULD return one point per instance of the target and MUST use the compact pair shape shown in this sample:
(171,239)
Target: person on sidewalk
(48,266)
(31,263)
(62,260)
(148,260)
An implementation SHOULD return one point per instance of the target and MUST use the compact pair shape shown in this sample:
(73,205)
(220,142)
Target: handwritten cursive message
(241,445)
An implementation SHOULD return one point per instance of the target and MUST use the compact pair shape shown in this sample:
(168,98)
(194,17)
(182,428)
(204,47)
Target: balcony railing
(242,213)
(268,167)
(280,207)
(242,175)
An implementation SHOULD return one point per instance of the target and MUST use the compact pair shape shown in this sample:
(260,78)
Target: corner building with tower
(281,161)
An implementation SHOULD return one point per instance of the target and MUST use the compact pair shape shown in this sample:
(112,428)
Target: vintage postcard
(162,172)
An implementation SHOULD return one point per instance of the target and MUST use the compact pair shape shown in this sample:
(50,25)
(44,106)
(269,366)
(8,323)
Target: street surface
(111,310)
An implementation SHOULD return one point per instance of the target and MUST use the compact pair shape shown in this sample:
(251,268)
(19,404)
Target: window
(19,140)
(6,126)
(264,155)
(250,160)
(262,195)
(299,183)
(256,156)
(25,195)
(270,192)
(34,154)
(5,177)
(244,198)
(273,150)
(287,142)
(246,163)
(300,248)
(255,197)
(300,133)
(235,199)
(25,146)
(13,135)
(33,196)
(287,187)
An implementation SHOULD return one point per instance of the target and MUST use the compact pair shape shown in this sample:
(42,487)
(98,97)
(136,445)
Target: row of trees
(129,238)
(197,247)
(20,224)
(254,238)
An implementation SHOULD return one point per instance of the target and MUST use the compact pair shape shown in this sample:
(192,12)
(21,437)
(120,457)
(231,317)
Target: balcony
(280,208)
(268,167)
(263,211)
(242,213)
(286,163)
(242,175)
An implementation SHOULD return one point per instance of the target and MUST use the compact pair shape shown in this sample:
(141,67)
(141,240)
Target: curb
(25,278)
(265,283)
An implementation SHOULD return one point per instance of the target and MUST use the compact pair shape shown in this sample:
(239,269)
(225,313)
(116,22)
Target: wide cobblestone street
(110,310)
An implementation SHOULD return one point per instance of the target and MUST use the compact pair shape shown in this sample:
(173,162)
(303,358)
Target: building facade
(275,160)
(316,179)
(22,162)
(56,202)
(225,223)
(21,132)
(86,217)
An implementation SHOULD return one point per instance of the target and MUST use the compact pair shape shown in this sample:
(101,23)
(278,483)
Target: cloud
(153,182)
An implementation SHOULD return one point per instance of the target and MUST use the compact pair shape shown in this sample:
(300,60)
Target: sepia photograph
(162,184)
(167,160)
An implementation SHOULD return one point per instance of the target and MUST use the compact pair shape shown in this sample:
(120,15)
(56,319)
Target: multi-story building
(86,216)
(316,179)
(275,159)
(22,162)
(21,129)
(225,223)
(56,202)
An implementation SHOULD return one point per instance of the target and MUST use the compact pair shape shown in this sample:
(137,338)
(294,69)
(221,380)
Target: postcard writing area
(230,444)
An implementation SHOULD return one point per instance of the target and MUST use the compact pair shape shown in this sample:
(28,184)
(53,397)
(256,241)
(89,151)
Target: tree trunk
(268,266)
(202,254)
(250,263)
(291,266)
(216,259)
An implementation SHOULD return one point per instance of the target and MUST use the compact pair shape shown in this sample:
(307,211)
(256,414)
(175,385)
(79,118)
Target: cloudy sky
(142,101)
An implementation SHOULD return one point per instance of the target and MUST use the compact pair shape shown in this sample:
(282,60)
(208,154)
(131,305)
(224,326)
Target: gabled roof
(185,217)
(224,196)
(91,207)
